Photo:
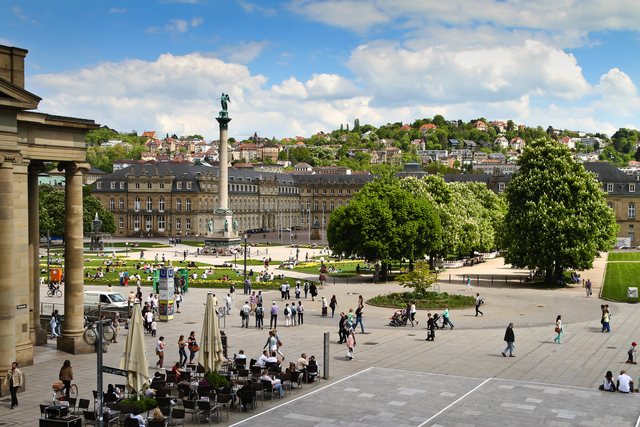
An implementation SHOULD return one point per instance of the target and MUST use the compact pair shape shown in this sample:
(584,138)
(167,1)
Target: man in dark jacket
(342,332)
(431,328)
(510,338)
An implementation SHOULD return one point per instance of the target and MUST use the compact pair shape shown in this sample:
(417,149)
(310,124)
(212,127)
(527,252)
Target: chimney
(12,64)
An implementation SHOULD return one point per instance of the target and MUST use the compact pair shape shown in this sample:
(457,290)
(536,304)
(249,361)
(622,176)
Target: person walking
(588,287)
(445,317)
(181,351)
(53,324)
(287,316)
(605,321)
(413,312)
(510,338)
(259,316)
(313,290)
(278,341)
(478,304)
(193,346)
(431,328)
(351,344)
(229,302)
(324,306)
(13,381)
(333,304)
(359,319)
(178,300)
(58,322)
(66,376)
(232,291)
(469,288)
(306,289)
(322,279)
(559,329)
(273,323)
(160,352)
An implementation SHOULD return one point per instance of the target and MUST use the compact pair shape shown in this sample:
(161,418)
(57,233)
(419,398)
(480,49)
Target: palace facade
(173,199)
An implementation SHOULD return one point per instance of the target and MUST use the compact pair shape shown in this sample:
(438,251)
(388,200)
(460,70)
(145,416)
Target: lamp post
(127,248)
(245,259)
(197,248)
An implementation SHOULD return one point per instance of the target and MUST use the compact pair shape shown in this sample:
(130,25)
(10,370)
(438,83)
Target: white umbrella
(134,355)
(211,355)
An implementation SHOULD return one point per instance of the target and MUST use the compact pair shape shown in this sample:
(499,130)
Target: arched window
(149,204)
(112,204)
(136,204)
(178,204)
(161,205)
(121,204)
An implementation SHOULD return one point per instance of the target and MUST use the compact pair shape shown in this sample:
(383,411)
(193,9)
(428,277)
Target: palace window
(324,206)
(122,185)
(188,208)
(112,204)
(121,204)
(113,185)
(188,224)
(149,204)
(137,186)
(188,186)
(610,205)
(149,223)
(178,205)
(179,185)
(339,191)
(609,188)
(161,204)
(136,204)
(99,185)
(121,222)
(324,191)
(161,185)
(315,206)
(632,211)
(331,205)
(178,224)
(136,223)
(161,223)
(632,188)
(149,186)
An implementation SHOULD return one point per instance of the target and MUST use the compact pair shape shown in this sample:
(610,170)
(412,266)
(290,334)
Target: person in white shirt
(625,383)
(262,359)
(274,383)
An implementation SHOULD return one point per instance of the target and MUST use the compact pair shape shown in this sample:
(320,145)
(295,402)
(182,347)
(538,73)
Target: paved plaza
(559,381)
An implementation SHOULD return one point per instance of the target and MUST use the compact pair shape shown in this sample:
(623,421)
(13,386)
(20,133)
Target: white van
(107,300)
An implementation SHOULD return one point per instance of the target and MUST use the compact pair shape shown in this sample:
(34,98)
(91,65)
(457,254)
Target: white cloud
(18,12)
(241,53)
(619,94)
(176,27)
(355,15)
(250,7)
(116,10)
(196,21)
(395,75)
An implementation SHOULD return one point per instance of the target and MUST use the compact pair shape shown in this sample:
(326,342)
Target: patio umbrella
(134,355)
(211,355)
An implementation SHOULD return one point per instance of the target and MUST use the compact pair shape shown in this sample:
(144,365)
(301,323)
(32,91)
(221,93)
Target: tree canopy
(557,215)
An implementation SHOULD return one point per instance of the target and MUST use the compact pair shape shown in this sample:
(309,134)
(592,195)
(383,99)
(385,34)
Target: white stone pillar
(7,292)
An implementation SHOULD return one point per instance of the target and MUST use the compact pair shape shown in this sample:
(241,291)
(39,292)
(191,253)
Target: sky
(297,67)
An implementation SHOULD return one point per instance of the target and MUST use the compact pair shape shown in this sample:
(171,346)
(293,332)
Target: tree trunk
(384,271)
(410,265)
(548,275)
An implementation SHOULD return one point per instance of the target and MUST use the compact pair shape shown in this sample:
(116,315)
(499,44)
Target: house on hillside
(426,128)
(302,167)
(405,127)
(517,143)
(501,142)
(153,145)
(481,126)
(470,144)
(479,157)
(151,134)
(454,143)
(502,126)
(568,141)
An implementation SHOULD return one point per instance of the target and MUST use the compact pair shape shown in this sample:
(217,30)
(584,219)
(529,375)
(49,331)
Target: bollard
(347,280)
(463,279)
(492,279)
(477,279)
(505,280)
(449,278)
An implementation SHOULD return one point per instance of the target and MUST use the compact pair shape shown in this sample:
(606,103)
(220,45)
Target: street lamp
(197,248)
(245,259)
(127,246)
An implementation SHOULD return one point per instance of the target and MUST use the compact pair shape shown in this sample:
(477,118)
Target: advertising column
(165,292)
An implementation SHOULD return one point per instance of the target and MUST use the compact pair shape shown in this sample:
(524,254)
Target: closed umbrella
(211,355)
(134,356)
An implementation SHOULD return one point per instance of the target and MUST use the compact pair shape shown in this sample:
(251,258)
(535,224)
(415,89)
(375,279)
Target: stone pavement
(470,351)
(384,397)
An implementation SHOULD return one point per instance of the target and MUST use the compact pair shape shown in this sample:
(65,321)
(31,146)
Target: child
(631,355)
(154,326)
(351,344)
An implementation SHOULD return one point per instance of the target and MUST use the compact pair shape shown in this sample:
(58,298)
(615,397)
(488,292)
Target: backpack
(260,311)
(286,311)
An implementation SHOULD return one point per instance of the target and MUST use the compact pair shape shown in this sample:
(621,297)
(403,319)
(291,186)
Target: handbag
(558,329)
(279,343)
(195,347)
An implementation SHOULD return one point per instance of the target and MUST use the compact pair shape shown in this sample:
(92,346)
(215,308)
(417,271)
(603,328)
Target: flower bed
(427,300)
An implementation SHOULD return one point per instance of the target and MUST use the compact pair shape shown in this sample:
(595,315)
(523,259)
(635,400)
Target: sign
(114,371)
(19,306)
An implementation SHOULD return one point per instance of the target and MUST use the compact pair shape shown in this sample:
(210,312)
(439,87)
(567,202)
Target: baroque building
(173,199)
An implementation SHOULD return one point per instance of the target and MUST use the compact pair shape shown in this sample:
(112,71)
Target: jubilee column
(71,339)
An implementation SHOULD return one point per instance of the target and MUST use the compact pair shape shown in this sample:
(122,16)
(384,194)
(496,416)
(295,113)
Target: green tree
(419,279)
(384,222)
(91,206)
(557,216)
(282,155)
(510,125)
(52,213)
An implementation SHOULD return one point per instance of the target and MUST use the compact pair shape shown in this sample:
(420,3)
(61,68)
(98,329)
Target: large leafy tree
(384,222)
(557,215)
(52,213)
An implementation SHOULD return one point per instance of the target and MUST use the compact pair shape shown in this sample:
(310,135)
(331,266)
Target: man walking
(245,314)
(431,328)
(588,286)
(510,338)
(478,303)
(359,319)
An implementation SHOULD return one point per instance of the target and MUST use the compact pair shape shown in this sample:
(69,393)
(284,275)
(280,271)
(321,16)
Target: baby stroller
(436,317)
(398,319)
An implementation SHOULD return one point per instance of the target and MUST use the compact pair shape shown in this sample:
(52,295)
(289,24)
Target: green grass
(624,256)
(619,277)
(429,300)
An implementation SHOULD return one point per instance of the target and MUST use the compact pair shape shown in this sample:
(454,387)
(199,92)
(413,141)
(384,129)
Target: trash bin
(56,274)
(632,294)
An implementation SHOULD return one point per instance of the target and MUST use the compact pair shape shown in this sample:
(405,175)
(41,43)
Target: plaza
(399,359)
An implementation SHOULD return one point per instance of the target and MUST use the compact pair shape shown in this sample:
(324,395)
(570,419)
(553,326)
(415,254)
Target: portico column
(7,291)
(71,339)
(37,335)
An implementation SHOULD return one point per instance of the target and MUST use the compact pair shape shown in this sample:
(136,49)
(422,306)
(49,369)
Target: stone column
(71,339)
(223,182)
(7,291)
(37,335)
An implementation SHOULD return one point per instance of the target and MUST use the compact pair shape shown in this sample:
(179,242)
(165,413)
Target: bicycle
(54,290)
(59,394)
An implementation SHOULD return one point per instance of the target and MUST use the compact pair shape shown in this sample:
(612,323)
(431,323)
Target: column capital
(36,167)
(11,156)
(72,168)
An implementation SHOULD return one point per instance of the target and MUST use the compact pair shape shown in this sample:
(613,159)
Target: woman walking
(333,304)
(193,346)
(351,344)
(445,317)
(278,342)
(181,351)
(66,375)
(559,329)
(53,324)
(160,352)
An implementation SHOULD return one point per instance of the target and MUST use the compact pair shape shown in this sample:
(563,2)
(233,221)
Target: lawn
(619,277)
(624,256)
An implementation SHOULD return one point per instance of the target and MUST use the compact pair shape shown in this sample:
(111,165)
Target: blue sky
(296,67)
